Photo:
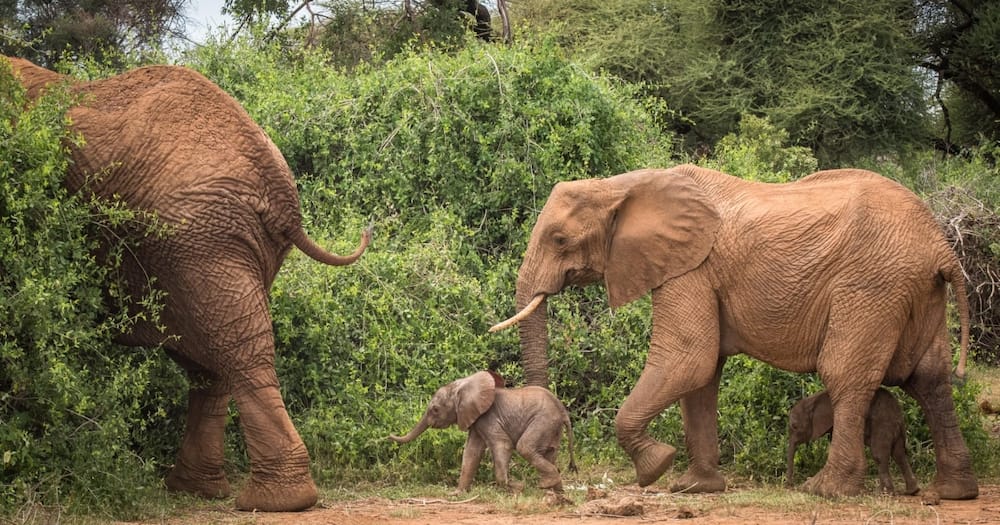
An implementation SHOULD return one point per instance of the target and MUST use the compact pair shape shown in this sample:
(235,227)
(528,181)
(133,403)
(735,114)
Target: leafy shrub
(759,151)
(362,348)
(483,131)
(74,410)
(451,153)
(356,34)
(967,205)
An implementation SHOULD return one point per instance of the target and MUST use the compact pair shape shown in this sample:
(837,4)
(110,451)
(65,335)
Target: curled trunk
(414,433)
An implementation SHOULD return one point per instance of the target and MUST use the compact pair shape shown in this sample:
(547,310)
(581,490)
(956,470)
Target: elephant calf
(529,420)
(885,433)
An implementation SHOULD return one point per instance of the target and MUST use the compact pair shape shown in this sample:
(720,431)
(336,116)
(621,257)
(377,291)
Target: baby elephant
(885,433)
(529,420)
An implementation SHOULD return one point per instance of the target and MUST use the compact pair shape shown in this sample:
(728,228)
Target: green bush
(75,411)
(451,153)
(461,148)
(759,151)
(483,131)
(371,342)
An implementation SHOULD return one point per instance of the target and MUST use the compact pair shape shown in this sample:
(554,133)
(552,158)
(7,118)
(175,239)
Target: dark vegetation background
(451,145)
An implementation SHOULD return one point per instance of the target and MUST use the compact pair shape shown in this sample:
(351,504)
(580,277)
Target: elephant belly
(792,346)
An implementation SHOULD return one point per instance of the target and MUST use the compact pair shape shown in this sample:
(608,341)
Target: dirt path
(627,505)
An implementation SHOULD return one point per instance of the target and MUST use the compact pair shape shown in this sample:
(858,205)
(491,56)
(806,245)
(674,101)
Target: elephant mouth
(582,277)
(525,312)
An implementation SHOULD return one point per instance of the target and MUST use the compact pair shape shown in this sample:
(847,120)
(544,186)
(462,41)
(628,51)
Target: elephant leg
(683,355)
(699,410)
(930,385)
(224,312)
(199,466)
(882,454)
(852,363)
(899,454)
(843,473)
(536,447)
(279,477)
(475,446)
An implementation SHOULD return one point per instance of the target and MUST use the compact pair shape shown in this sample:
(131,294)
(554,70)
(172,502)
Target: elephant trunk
(790,460)
(414,433)
(533,332)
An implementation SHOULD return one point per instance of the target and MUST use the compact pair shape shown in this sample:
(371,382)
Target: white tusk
(525,312)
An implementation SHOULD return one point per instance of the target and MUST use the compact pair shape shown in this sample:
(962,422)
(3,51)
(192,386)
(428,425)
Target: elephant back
(166,139)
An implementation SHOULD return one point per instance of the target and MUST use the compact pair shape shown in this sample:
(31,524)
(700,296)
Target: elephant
(529,420)
(476,10)
(842,272)
(165,140)
(885,434)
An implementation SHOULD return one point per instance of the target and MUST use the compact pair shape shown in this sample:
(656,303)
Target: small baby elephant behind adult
(529,420)
(885,433)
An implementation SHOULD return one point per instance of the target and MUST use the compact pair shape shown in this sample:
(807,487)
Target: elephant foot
(829,485)
(551,484)
(278,496)
(965,488)
(887,487)
(699,480)
(514,487)
(556,499)
(210,486)
(652,461)
(911,490)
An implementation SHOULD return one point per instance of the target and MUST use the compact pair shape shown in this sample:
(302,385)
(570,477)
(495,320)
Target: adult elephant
(166,140)
(842,273)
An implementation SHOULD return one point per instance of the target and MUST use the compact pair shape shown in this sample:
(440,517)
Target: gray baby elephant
(529,420)
(885,433)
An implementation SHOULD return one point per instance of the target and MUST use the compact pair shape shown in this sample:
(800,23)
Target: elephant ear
(664,225)
(474,396)
(822,415)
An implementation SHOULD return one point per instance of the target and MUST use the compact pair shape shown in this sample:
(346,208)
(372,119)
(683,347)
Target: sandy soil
(626,505)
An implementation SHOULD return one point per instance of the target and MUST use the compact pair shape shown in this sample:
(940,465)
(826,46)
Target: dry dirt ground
(625,505)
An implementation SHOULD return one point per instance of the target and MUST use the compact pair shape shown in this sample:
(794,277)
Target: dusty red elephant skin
(166,140)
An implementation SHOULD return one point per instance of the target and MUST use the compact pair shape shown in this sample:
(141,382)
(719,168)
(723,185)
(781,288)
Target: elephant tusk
(525,312)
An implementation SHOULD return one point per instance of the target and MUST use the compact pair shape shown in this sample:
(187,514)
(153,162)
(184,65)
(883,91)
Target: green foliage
(840,77)
(355,33)
(45,31)
(961,49)
(754,399)
(74,411)
(759,151)
(484,132)
(370,343)
(451,151)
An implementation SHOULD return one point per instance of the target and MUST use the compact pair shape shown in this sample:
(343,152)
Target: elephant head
(810,418)
(633,230)
(460,402)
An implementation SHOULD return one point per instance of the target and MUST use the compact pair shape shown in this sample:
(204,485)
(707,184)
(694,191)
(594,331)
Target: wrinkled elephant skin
(843,272)
(885,434)
(529,420)
(166,140)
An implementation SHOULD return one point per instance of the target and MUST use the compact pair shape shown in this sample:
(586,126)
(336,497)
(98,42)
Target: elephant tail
(315,251)
(954,274)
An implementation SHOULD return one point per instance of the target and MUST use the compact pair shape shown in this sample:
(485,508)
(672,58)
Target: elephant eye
(559,239)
